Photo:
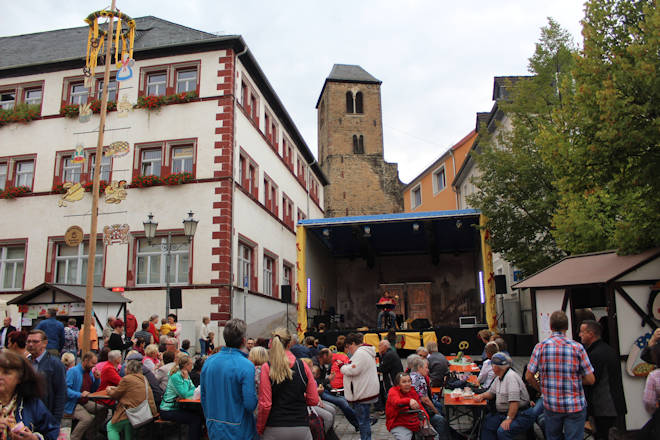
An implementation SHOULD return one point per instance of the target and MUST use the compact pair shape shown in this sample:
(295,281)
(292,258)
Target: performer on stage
(387,304)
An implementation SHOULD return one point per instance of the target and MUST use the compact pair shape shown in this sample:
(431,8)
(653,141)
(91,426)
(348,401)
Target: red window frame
(14,166)
(249,174)
(254,279)
(270,194)
(274,273)
(147,148)
(287,211)
(301,172)
(301,215)
(170,71)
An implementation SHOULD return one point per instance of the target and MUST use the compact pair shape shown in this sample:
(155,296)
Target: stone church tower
(350,146)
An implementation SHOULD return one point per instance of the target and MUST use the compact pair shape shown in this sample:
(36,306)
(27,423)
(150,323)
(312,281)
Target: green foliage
(20,113)
(604,142)
(517,193)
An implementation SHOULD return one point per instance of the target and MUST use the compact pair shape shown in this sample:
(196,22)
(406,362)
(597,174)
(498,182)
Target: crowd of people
(283,388)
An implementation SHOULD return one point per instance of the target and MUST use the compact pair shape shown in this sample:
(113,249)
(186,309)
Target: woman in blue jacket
(21,409)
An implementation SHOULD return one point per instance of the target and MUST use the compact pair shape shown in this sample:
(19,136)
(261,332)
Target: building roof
(100,294)
(594,268)
(69,44)
(66,49)
(469,137)
(350,73)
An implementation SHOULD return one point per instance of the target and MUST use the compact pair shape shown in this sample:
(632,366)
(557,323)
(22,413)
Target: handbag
(316,425)
(141,414)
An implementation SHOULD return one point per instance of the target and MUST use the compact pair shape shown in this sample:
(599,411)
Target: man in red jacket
(131,324)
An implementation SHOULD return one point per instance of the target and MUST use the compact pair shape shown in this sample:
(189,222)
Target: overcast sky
(436,58)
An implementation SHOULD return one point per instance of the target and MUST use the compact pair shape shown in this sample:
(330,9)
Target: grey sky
(437,59)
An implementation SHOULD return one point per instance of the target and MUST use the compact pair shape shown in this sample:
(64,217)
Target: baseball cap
(501,359)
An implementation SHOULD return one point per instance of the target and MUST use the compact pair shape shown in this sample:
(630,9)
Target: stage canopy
(414,233)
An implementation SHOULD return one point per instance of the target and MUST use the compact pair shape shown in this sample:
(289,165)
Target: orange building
(432,189)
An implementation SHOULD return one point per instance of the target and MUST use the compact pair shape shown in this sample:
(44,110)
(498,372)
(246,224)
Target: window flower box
(20,113)
(146,181)
(14,191)
(178,178)
(89,185)
(73,110)
(156,102)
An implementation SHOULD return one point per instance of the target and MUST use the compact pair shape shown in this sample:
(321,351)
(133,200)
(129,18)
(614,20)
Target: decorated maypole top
(103,35)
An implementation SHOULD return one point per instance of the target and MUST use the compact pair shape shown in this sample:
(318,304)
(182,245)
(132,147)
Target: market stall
(622,293)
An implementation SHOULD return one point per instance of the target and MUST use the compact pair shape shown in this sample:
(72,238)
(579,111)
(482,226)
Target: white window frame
(24,178)
(182,160)
(190,83)
(106,167)
(175,261)
(150,162)
(79,97)
(244,265)
(71,172)
(80,276)
(286,281)
(32,100)
(268,275)
(413,202)
(112,89)
(436,173)
(156,84)
(17,284)
(4,170)
(8,104)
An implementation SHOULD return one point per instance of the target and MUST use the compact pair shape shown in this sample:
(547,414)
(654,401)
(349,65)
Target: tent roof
(101,294)
(595,268)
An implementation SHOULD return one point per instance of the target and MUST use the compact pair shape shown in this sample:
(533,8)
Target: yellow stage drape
(489,276)
(301,282)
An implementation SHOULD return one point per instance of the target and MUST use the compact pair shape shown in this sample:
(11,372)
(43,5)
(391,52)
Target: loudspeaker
(420,323)
(175,298)
(500,284)
(285,296)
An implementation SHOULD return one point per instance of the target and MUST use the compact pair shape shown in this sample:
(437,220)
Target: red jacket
(109,376)
(131,325)
(397,403)
(337,360)
(154,333)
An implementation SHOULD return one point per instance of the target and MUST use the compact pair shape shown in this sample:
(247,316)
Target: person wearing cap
(513,415)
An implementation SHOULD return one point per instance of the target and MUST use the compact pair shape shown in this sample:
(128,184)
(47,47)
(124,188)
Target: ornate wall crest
(73,236)
(115,192)
(117,149)
(115,234)
(74,192)
(123,107)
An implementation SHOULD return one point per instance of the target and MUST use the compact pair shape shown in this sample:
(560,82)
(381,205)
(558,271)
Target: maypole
(96,40)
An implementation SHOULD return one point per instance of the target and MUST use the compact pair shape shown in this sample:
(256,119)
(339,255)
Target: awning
(398,234)
(76,293)
(595,268)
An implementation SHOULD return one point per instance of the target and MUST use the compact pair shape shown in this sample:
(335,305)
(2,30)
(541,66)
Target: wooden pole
(89,294)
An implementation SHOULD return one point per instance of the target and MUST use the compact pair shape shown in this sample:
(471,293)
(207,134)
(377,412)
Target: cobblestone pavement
(345,430)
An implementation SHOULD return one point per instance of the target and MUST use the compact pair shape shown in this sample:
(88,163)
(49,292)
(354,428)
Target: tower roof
(350,73)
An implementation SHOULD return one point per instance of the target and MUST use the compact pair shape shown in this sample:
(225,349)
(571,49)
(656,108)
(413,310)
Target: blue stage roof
(398,234)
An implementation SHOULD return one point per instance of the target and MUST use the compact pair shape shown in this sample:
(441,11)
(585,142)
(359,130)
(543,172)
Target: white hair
(114,355)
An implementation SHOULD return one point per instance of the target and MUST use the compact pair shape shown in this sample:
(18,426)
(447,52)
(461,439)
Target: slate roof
(351,73)
(69,44)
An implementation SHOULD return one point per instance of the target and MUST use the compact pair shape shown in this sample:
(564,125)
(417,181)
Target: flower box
(156,102)
(14,191)
(178,178)
(20,113)
(146,181)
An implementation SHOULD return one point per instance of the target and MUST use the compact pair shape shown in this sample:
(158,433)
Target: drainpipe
(453,163)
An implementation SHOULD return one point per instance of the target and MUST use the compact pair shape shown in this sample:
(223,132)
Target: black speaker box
(175,298)
(285,296)
(500,284)
(420,324)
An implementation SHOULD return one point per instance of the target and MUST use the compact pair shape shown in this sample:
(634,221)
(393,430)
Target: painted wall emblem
(115,234)
(73,236)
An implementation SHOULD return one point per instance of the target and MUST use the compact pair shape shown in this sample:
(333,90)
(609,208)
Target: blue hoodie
(229,397)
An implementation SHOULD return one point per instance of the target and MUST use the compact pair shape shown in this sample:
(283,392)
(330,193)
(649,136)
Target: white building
(253,175)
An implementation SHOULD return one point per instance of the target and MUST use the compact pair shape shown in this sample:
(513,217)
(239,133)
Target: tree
(604,141)
(516,185)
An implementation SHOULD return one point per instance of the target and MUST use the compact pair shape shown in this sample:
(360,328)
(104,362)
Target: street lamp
(189,228)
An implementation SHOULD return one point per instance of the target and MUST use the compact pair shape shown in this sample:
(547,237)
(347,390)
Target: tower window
(358,102)
(358,144)
(349,102)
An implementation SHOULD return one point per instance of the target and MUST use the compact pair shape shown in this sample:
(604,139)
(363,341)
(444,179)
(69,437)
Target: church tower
(350,146)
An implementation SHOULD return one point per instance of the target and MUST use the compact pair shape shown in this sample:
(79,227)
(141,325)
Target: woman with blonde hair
(180,386)
(258,356)
(68,359)
(151,357)
(286,388)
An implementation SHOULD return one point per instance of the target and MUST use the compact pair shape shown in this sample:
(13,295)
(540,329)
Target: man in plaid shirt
(563,366)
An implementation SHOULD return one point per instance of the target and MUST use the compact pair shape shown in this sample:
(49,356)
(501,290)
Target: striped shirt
(561,363)
(652,391)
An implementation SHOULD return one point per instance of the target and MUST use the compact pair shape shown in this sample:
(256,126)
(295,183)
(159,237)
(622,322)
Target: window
(358,144)
(33,96)
(416,197)
(152,261)
(287,277)
(106,166)
(270,195)
(12,265)
(287,152)
(186,81)
(182,159)
(358,102)
(271,128)
(301,215)
(287,211)
(251,180)
(314,189)
(78,93)
(269,275)
(250,102)
(439,180)
(7,99)
(24,173)
(112,90)
(71,263)
(349,102)
(3,175)
(156,84)
(248,173)
(301,171)
(71,171)
(245,253)
(151,162)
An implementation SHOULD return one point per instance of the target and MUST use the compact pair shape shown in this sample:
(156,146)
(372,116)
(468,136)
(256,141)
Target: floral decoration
(178,178)
(156,102)
(73,110)
(20,113)
(14,191)
(89,185)
(146,181)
